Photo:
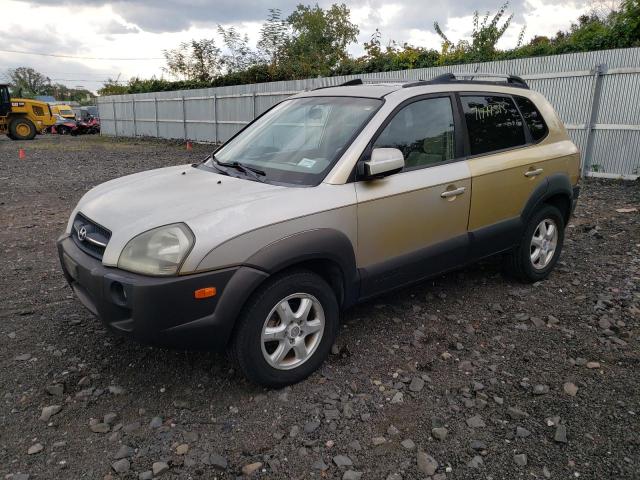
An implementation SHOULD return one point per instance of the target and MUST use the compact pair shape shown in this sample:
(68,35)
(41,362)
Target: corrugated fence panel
(610,137)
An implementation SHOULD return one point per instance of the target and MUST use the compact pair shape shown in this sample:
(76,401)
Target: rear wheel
(540,246)
(22,129)
(286,329)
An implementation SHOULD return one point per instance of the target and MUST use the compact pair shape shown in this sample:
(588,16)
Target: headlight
(160,251)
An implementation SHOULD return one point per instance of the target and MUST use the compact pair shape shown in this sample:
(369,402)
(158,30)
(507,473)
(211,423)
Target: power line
(79,57)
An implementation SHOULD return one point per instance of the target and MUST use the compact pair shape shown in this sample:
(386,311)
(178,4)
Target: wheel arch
(326,252)
(556,190)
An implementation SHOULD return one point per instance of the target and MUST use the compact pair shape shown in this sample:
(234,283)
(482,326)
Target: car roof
(402,91)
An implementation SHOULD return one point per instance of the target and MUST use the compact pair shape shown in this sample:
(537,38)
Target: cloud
(116,28)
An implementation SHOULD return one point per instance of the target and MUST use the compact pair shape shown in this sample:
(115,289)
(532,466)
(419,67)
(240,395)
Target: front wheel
(539,249)
(286,330)
(22,129)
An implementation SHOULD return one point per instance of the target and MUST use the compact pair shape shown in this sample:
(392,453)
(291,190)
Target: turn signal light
(205,292)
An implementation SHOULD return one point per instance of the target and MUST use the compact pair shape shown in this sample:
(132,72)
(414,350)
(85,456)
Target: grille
(94,237)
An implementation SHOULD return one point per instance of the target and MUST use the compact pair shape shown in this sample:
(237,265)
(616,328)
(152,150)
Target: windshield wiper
(257,173)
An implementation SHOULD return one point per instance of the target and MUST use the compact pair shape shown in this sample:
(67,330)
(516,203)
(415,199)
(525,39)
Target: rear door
(504,170)
(413,224)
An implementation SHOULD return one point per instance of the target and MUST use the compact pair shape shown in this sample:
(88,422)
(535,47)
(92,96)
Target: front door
(413,224)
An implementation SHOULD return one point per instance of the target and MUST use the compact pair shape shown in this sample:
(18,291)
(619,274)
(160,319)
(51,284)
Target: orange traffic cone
(189,146)
(21,154)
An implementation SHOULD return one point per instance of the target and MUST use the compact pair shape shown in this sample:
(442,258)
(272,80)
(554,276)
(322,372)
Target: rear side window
(424,131)
(533,118)
(493,123)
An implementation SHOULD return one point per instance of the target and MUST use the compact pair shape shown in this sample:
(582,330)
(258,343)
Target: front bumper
(159,310)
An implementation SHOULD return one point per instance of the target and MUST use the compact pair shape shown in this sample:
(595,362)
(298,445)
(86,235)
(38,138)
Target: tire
(264,313)
(523,263)
(22,129)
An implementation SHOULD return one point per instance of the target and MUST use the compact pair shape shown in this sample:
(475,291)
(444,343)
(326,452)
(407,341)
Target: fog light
(118,293)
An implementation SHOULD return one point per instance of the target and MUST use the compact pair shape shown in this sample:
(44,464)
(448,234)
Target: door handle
(453,193)
(533,173)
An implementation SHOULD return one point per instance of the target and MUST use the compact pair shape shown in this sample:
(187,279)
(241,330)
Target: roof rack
(361,81)
(510,80)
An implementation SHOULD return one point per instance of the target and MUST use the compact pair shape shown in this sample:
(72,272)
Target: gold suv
(327,199)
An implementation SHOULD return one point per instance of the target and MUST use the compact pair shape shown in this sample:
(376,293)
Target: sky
(90,42)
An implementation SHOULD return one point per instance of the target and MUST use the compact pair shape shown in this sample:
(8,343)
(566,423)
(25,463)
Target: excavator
(23,118)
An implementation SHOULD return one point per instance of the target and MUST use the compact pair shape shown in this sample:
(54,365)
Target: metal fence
(597,95)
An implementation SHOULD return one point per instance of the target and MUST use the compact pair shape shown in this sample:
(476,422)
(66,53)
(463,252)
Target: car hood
(136,203)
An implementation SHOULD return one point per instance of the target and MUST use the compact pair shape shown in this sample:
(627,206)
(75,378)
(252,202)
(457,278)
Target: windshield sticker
(306,162)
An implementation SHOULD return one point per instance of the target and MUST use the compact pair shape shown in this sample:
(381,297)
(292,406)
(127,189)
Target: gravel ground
(465,376)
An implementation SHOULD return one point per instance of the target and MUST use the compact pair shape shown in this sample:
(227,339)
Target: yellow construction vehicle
(22,118)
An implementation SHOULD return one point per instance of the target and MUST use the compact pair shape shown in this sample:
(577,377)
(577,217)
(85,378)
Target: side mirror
(384,161)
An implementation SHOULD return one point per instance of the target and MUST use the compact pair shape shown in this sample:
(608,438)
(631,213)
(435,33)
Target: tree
(319,40)
(240,56)
(274,34)
(194,60)
(484,37)
(26,81)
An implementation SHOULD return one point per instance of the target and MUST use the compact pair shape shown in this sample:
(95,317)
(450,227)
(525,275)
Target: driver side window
(424,131)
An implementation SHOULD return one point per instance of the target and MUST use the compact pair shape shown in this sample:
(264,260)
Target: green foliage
(27,83)
(197,60)
(318,41)
(313,41)
(484,38)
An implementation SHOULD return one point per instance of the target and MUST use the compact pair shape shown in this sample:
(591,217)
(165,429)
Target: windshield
(299,140)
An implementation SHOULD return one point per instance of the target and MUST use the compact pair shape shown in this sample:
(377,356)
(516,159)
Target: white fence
(597,94)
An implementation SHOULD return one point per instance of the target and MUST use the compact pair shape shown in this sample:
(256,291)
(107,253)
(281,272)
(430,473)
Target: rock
(50,411)
(397,398)
(121,466)
(393,431)
(351,475)
(110,418)
(378,441)
(320,465)
(342,461)
(116,390)
(57,389)
(520,459)
(446,356)
(408,444)
(498,400)
(218,461)
(146,475)
(537,322)
(476,422)
(100,428)
(394,476)
(156,422)
(475,462)
(124,451)
(570,389)
(516,414)
(22,358)
(604,323)
(294,431)
(439,433)
(35,448)
(182,449)
(159,468)
(311,427)
(561,434)
(540,389)
(355,445)
(522,432)
(251,468)
(477,445)
(593,365)
(17,476)
(417,384)
(426,463)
